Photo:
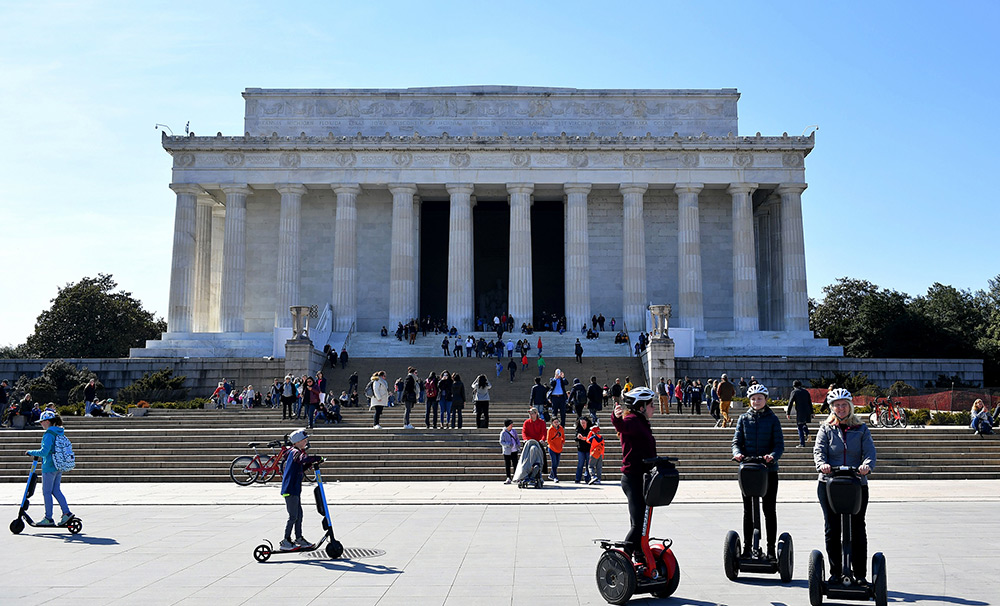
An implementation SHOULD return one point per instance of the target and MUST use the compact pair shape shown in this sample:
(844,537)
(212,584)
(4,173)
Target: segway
(74,525)
(334,549)
(843,493)
(618,577)
(754,483)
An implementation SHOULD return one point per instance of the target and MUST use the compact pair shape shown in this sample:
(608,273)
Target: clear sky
(905,94)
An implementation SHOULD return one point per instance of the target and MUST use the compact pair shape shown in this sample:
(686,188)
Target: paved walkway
(470,543)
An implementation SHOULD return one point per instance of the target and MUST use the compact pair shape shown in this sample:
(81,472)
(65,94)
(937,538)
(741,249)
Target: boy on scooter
(296,463)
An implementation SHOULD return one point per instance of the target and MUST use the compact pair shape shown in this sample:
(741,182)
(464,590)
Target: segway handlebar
(747,459)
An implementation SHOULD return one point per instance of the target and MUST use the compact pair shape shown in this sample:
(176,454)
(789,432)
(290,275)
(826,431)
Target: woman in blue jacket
(844,440)
(51,477)
(758,434)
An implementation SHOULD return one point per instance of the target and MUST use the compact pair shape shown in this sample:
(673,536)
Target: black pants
(859,536)
(768,505)
(286,407)
(510,463)
(378,414)
(432,407)
(482,414)
(632,486)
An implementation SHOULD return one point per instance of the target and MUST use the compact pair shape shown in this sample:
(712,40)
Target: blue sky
(905,94)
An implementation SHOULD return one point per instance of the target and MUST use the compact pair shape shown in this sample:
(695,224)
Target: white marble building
(468,201)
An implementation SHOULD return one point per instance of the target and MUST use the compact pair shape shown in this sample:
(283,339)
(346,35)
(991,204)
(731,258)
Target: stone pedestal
(302,358)
(660,359)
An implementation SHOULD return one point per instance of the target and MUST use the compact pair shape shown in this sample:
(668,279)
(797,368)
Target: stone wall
(778,373)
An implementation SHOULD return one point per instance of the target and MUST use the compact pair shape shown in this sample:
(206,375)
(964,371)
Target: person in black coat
(578,397)
(758,434)
(801,403)
(595,399)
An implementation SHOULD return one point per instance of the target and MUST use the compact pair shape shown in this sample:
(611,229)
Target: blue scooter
(74,525)
(334,549)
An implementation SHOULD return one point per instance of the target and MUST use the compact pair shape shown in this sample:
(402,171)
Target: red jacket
(533,430)
(637,441)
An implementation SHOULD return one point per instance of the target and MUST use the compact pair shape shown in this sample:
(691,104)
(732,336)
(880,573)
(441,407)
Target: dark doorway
(434,218)
(547,258)
(491,257)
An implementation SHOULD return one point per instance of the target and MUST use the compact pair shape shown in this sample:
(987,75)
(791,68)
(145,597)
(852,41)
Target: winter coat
(458,395)
(48,447)
(509,442)
(381,398)
(836,445)
(481,394)
(538,396)
(800,402)
(637,441)
(758,433)
(595,397)
(726,391)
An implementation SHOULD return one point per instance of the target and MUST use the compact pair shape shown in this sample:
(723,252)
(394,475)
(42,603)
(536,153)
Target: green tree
(950,320)
(88,320)
(866,320)
(60,382)
(160,386)
(988,332)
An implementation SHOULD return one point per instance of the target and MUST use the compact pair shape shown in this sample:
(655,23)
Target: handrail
(628,343)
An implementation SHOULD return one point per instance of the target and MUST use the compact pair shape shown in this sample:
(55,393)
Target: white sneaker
(556,480)
(407,426)
(507,481)
(376,427)
(286,545)
(303,542)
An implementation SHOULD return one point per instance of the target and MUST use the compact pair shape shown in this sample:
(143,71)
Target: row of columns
(191,269)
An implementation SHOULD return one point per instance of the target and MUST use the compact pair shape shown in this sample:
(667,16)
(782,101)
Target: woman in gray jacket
(481,397)
(844,440)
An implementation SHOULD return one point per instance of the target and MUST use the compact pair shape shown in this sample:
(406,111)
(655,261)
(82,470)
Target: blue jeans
(50,488)
(582,473)
(445,410)
(293,504)
(555,456)
(803,433)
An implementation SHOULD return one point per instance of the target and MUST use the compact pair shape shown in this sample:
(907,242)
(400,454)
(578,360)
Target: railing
(628,343)
(320,334)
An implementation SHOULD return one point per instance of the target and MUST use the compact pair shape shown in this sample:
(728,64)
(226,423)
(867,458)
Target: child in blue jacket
(296,463)
(51,477)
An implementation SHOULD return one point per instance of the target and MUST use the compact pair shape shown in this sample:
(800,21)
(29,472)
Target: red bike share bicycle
(245,470)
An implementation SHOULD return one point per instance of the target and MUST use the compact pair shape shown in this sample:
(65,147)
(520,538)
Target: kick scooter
(334,549)
(74,525)
(754,483)
(843,493)
(618,578)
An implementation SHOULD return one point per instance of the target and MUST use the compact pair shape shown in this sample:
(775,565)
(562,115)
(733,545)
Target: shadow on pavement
(341,565)
(899,596)
(79,538)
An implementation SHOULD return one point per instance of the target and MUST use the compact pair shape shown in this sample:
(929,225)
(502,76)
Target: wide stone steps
(186,446)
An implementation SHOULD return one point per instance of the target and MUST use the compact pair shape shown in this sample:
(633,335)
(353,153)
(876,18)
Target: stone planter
(137,412)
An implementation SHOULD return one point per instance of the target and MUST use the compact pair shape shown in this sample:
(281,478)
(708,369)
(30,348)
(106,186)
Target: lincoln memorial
(375,206)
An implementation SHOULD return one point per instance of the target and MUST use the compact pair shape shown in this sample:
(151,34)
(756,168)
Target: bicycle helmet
(755,389)
(637,398)
(839,394)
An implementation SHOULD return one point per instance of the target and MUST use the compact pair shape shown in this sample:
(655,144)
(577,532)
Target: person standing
(557,395)
(51,477)
(679,394)
(616,391)
(726,391)
(481,396)
(444,387)
(289,395)
(296,462)
(410,389)
(638,445)
(578,351)
(444,346)
(509,444)
(512,368)
(596,462)
(582,431)
(379,398)
(524,362)
(758,434)
(541,363)
(510,347)
(556,438)
(457,401)
(663,391)
(800,402)
(310,400)
(431,388)
(537,397)
(89,396)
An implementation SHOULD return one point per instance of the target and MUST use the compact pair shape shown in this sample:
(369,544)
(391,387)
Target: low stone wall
(778,372)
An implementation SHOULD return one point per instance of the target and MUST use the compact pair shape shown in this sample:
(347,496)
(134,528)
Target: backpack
(370,390)
(62,454)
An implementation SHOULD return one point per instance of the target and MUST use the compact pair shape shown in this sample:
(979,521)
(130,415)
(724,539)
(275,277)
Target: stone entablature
(466,110)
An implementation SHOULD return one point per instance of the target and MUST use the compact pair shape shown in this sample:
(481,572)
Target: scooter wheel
(671,586)
(817,572)
(615,577)
(731,554)
(17,526)
(262,553)
(879,580)
(74,526)
(334,549)
(785,557)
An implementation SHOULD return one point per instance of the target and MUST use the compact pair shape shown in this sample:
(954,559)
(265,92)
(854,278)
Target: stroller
(529,467)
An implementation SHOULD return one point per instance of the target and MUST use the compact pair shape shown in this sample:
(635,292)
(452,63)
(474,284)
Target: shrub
(920,416)
(854,383)
(899,388)
(160,386)
(962,417)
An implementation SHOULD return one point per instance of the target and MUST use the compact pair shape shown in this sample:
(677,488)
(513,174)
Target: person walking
(541,363)
(596,461)
(537,397)
(481,396)
(379,397)
(578,351)
(509,444)
(662,391)
(534,428)
(800,402)
(512,369)
(595,399)
(726,392)
(556,438)
(582,431)
(52,424)
(578,397)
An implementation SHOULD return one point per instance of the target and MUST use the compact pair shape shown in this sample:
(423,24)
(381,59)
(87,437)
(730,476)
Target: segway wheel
(74,526)
(262,553)
(785,555)
(731,554)
(615,577)
(879,580)
(334,549)
(671,586)
(17,526)
(817,572)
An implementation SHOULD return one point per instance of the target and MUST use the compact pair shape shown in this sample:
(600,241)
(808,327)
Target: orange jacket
(533,430)
(596,442)
(556,437)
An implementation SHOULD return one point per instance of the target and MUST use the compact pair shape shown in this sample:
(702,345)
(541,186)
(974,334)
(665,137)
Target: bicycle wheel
(244,470)
(885,419)
(901,412)
(873,419)
(268,470)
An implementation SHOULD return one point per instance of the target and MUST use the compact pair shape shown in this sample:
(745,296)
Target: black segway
(753,483)
(74,525)
(334,548)
(843,493)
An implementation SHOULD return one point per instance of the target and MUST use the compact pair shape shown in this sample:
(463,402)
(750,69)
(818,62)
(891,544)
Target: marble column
(745,316)
(577,276)
(460,286)
(345,257)
(203,262)
(180,312)
(691,312)
(402,287)
(218,240)
(633,257)
(793,258)
(519,287)
(289,260)
(234,252)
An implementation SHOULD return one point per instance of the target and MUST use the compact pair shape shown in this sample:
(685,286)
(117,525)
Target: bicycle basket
(662,486)
(753,479)
(843,493)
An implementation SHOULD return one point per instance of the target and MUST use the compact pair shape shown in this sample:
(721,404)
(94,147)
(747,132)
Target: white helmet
(638,397)
(755,389)
(839,394)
